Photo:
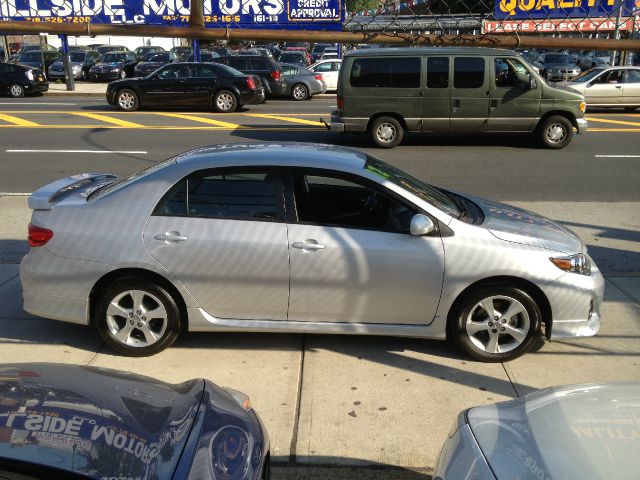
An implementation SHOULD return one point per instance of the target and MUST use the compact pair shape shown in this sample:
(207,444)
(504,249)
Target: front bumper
(38,87)
(575,304)
(583,125)
(560,76)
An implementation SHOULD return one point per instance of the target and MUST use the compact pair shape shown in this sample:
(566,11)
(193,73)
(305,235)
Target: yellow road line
(284,119)
(117,112)
(20,122)
(143,127)
(107,119)
(617,122)
(195,118)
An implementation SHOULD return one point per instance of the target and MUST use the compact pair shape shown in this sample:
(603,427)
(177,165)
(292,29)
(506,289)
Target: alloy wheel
(136,318)
(126,100)
(16,90)
(299,92)
(225,101)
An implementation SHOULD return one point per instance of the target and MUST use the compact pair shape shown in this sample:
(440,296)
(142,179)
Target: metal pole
(66,61)
(44,63)
(7,54)
(616,33)
(195,45)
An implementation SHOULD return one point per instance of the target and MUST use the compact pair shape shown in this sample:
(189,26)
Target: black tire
(555,132)
(630,109)
(266,469)
(225,101)
(386,132)
(299,92)
(16,90)
(166,327)
(469,319)
(127,100)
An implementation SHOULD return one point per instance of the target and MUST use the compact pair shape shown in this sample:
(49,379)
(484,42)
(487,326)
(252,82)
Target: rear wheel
(127,100)
(225,101)
(137,318)
(555,132)
(495,324)
(299,92)
(16,90)
(386,132)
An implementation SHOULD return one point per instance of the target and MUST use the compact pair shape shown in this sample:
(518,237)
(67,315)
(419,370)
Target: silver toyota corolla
(301,238)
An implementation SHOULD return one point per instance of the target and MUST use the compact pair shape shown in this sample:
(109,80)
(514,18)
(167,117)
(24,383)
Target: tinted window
(175,71)
(77,56)
(332,200)
(386,72)
(438,72)
(113,57)
(203,71)
(323,67)
(468,72)
(259,64)
(286,70)
(224,69)
(238,63)
(239,195)
(506,73)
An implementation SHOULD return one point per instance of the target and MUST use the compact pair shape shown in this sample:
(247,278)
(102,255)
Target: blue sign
(274,14)
(541,9)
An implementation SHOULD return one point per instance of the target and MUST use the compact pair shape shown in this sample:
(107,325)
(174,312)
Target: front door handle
(171,237)
(308,245)
(456,105)
(494,105)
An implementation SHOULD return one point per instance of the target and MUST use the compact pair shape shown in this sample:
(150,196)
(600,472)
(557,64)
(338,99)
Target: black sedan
(71,421)
(151,62)
(113,65)
(18,80)
(188,84)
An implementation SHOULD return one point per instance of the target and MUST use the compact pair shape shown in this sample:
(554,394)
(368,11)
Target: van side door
(514,105)
(470,94)
(436,94)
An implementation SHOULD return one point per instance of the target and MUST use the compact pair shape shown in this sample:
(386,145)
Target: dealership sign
(559,26)
(543,9)
(278,14)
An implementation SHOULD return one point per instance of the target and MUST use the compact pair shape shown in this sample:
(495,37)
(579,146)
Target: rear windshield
(132,178)
(557,59)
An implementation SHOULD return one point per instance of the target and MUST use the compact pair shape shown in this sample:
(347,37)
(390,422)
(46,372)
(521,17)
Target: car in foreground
(19,80)
(301,238)
(69,421)
(151,62)
(612,87)
(580,431)
(301,83)
(81,62)
(558,66)
(187,84)
(113,65)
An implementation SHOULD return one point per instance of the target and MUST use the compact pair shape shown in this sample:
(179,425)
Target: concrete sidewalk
(348,401)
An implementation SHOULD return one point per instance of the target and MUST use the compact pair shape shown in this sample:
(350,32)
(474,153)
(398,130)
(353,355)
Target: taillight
(340,104)
(38,236)
(251,83)
(317,76)
(275,75)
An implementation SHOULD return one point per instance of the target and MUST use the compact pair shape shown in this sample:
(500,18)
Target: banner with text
(534,9)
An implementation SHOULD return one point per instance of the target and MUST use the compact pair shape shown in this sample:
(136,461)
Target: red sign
(564,26)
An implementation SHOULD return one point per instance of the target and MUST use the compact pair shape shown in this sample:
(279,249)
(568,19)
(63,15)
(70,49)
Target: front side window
(613,76)
(323,67)
(507,71)
(175,71)
(438,72)
(386,72)
(332,200)
(468,72)
(233,195)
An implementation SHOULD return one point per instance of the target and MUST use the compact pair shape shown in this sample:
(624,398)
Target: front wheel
(16,90)
(495,324)
(386,132)
(556,132)
(299,92)
(225,101)
(137,318)
(127,100)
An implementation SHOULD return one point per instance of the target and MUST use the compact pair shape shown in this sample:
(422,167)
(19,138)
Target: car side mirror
(421,225)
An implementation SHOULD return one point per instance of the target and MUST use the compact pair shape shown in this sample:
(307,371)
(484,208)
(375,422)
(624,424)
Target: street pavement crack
(511,378)
(296,418)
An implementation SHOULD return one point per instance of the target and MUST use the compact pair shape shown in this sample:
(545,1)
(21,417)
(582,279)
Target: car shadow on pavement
(340,468)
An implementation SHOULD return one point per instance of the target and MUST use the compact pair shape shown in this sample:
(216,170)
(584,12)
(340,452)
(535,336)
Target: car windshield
(156,57)
(31,57)
(588,75)
(113,57)
(559,59)
(77,56)
(421,190)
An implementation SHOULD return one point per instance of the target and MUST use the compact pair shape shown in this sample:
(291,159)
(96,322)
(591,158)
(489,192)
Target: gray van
(387,92)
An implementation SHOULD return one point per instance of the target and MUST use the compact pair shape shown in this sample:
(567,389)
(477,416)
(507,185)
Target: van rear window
(386,72)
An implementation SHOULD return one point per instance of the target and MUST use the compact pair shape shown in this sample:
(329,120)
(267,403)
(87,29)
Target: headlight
(30,74)
(76,68)
(116,69)
(578,263)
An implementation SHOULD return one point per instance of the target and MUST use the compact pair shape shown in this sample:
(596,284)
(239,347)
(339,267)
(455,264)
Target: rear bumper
(343,124)
(583,125)
(253,97)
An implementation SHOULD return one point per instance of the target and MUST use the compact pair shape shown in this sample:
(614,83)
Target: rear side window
(233,195)
(203,71)
(438,72)
(386,72)
(468,72)
(238,63)
(259,64)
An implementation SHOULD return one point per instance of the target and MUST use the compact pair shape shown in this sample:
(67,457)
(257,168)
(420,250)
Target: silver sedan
(609,87)
(301,238)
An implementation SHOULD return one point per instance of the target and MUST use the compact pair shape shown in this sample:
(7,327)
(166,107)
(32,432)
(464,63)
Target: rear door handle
(171,237)
(456,105)
(494,105)
(308,245)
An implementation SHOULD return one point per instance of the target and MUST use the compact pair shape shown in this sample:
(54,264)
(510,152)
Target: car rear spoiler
(44,198)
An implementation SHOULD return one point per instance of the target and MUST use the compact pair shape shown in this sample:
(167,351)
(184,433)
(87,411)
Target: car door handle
(171,237)
(494,105)
(456,105)
(618,86)
(308,245)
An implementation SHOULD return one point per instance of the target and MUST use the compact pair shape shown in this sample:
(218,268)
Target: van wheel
(137,318)
(556,132)
(495,324)
(386,132)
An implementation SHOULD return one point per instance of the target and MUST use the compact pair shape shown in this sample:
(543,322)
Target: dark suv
(266,68)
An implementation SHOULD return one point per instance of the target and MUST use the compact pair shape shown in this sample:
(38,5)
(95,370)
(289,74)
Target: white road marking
(143,152)
(13,194)
(617,156)
(36,103)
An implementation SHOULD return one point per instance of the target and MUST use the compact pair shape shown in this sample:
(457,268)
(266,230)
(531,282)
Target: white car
(329,69)
(609,87)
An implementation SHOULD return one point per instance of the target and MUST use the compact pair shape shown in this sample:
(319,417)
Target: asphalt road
(599,166)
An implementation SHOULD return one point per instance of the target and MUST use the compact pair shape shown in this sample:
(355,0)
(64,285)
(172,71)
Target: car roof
(276,154)
(380,52)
